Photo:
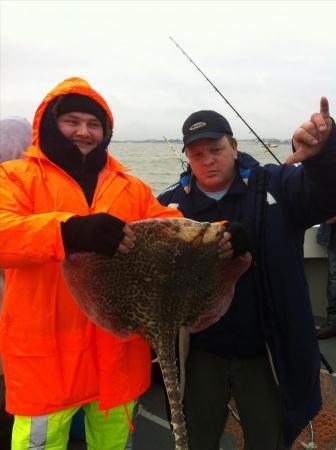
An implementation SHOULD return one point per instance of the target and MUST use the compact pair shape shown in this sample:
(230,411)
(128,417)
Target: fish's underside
(171,278)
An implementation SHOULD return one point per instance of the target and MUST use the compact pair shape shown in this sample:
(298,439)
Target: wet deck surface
(152,427)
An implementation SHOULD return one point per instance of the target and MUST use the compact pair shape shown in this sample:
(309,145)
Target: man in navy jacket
(264,351)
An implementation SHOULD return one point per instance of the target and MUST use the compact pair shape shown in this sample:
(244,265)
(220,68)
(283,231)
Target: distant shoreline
(179,141)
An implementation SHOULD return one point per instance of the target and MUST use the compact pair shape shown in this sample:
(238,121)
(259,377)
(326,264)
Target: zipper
(82,173)
(270,358)
(83,165)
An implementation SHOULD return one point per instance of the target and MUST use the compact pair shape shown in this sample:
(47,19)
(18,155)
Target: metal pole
(218,91)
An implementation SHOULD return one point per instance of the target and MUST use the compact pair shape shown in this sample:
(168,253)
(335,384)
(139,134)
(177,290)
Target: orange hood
(72,85)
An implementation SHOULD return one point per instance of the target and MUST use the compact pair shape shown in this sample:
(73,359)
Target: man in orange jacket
(67,195)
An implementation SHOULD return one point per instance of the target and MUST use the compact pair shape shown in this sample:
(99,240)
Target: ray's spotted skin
(173,277)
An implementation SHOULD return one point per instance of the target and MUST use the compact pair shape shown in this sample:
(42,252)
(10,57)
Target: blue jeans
(331,286)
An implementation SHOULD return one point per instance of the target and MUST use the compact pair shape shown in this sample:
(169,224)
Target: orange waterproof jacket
(53,356)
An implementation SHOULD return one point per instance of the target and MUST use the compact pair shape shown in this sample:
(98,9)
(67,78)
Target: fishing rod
(183,162)
(226,100)
(173,150)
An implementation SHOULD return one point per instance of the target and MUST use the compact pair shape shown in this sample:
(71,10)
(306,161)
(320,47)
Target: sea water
(158,165)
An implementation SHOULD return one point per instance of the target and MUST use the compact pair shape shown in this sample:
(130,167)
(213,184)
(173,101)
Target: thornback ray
(171,278)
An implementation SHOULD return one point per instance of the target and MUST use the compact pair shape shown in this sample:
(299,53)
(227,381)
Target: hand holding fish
(310,137)
(100,233)
(225,250)
(234,241)
(128,241)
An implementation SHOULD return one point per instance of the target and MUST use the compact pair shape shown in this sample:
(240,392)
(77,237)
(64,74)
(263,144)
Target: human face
(83,129)
(213,163)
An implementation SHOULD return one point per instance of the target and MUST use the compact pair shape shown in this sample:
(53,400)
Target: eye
(217,150)
(94,125)
(71,122)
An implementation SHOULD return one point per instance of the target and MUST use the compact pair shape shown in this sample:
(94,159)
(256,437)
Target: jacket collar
(201,201)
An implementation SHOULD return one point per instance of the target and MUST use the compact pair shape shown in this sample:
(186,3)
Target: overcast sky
(272,60)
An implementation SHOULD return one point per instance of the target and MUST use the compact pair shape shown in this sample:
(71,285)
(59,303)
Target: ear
(234,145)
(234,150)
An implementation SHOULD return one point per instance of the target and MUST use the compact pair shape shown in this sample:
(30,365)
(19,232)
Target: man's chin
(213,184)
(85,149)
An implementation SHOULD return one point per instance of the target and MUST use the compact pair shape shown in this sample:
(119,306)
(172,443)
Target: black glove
(239,238)
(99,233)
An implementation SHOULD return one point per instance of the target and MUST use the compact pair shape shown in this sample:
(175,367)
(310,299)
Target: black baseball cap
(204,124)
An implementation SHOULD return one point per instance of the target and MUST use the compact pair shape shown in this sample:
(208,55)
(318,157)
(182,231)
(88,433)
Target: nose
(82,129)
(208,159)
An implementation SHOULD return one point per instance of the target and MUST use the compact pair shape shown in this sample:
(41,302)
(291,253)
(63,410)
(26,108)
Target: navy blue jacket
(277,203)
(326,235)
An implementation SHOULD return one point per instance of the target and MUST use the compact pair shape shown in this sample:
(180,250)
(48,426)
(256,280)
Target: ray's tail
(170,376)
